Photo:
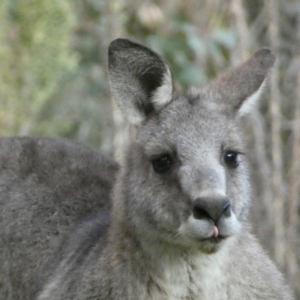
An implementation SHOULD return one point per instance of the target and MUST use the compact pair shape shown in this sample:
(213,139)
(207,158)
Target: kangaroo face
(190,184)
(184,179)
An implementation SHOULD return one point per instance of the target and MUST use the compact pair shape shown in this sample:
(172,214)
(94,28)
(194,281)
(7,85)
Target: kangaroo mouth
(210,245)
(216,237)
(215,240)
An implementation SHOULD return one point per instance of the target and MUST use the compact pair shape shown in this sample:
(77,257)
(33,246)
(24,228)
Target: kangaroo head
(184,179)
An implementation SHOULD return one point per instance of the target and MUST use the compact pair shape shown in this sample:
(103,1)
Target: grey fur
(46,185)
(156,245)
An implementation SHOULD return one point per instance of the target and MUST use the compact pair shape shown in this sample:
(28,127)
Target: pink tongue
(216,232)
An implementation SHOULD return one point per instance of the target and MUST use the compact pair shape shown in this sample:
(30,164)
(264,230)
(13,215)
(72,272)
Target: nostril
(227,209)
(200,212)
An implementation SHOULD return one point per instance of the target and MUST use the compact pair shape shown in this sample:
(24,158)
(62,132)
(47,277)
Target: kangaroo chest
(191,279)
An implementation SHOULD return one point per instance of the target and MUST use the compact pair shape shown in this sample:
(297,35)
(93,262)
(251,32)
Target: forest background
(53,82)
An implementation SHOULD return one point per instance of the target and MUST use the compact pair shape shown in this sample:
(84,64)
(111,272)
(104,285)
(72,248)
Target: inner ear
(247,105)
(150,82)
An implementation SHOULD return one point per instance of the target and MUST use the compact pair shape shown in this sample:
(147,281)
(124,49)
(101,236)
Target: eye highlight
(162,163)
(231,159)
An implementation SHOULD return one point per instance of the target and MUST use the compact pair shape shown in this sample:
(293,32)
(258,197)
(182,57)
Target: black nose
(211,208)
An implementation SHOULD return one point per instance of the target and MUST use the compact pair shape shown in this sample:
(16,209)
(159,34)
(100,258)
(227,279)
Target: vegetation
(35,58)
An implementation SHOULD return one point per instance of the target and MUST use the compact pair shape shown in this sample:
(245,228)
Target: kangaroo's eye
(231,158)
(162,164)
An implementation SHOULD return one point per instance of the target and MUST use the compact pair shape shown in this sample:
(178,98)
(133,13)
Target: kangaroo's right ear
(141,82)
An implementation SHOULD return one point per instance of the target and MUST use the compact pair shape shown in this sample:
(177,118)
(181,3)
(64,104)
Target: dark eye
(231,159)
(162,164)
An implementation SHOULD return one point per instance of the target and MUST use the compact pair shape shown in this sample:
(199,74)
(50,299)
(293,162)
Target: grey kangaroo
(178,227)
(46,185)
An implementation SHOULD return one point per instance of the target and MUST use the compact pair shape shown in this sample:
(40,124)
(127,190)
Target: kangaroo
(46,186)
(178,227)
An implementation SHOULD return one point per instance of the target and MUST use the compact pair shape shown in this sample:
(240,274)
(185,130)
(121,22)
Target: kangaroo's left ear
(239,89)
(141,82)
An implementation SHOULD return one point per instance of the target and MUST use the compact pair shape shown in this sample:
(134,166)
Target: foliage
(35,57)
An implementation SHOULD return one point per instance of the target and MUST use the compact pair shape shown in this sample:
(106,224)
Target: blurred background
(53,82)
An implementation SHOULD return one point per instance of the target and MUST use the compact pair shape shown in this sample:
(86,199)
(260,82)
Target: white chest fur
(193,277)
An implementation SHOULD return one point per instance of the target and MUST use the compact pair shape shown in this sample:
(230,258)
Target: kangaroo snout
(212,208)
